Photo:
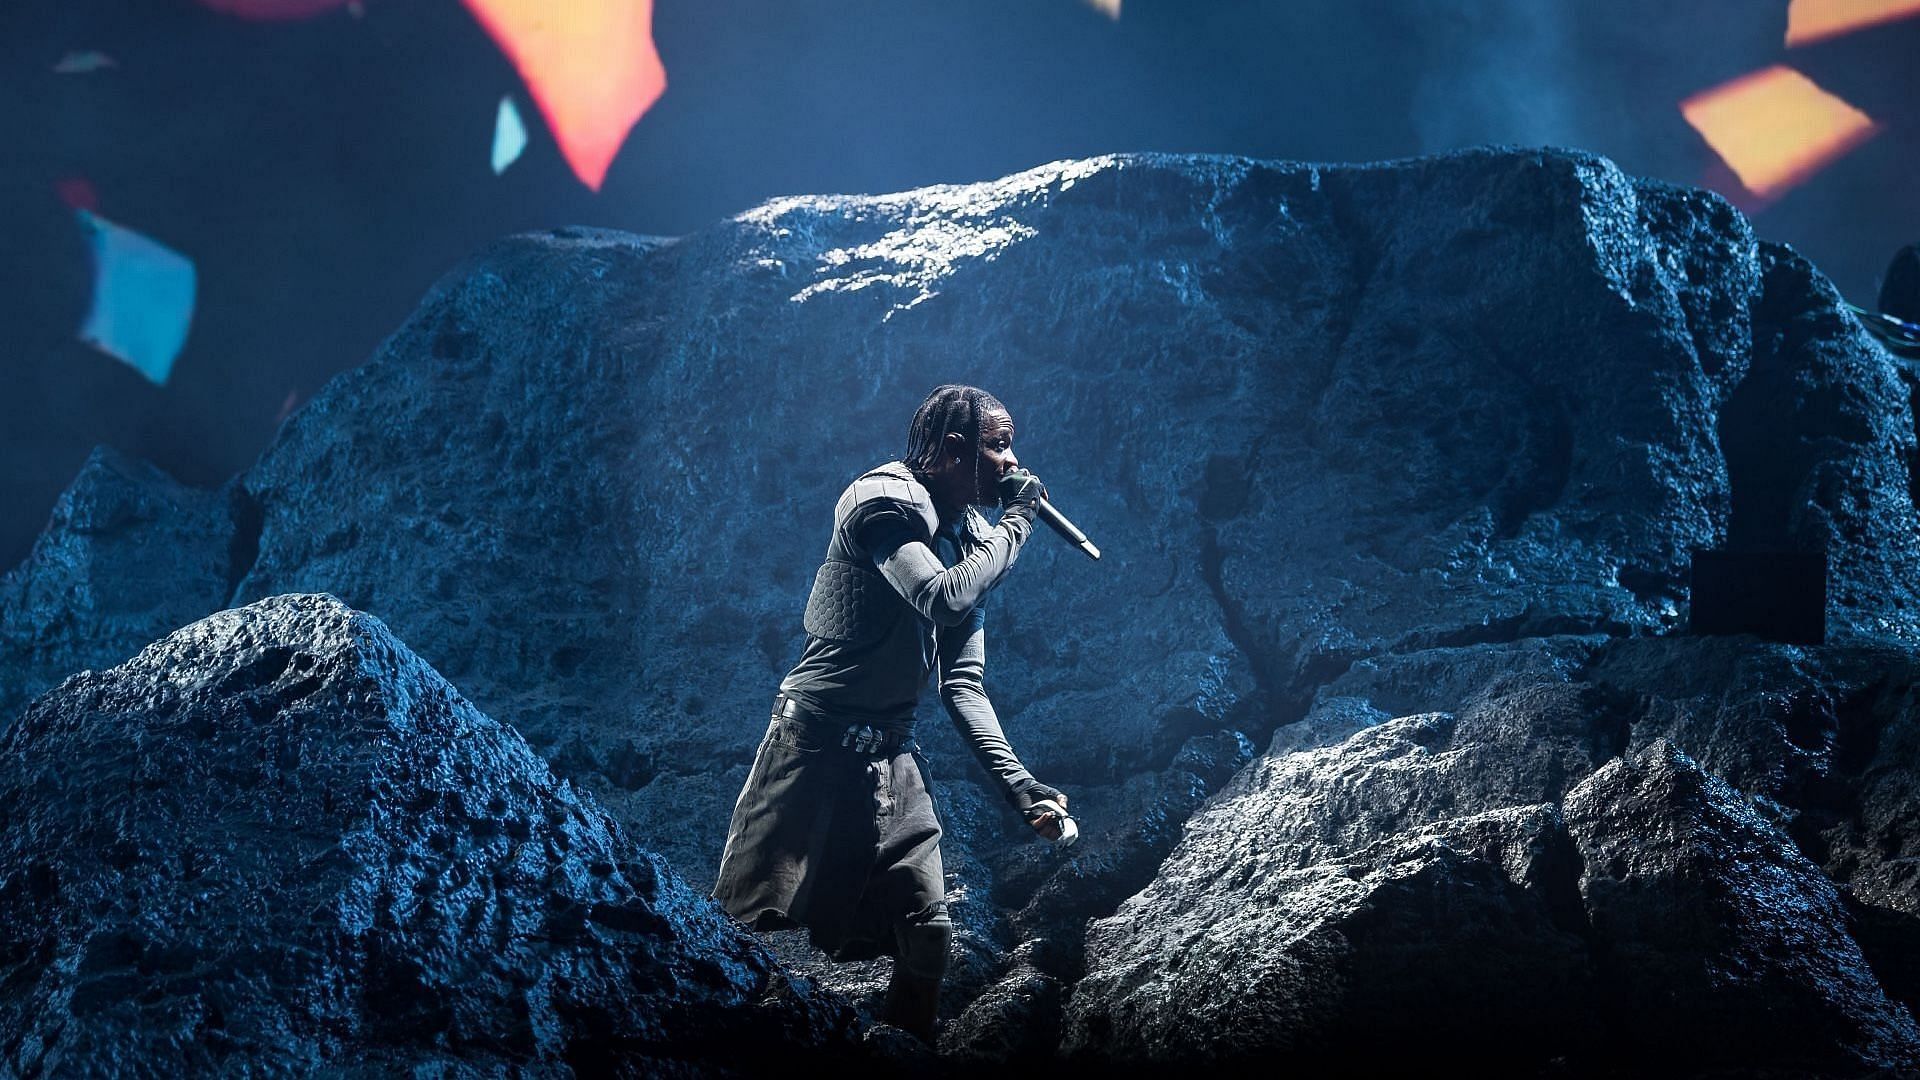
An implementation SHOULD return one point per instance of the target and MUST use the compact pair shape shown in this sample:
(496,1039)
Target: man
(835,828)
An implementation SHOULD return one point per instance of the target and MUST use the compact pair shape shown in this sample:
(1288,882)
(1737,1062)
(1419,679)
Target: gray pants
(843,843)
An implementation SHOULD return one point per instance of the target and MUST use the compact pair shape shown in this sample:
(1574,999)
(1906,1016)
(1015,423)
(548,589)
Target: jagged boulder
(1823,743)
(276,841)
(1311,412)
(1540,862)
(128,556)
(1720,945)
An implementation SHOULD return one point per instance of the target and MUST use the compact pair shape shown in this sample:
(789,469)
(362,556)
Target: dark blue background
(323,173)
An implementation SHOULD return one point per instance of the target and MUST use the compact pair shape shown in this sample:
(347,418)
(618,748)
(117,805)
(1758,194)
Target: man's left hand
(1050,819)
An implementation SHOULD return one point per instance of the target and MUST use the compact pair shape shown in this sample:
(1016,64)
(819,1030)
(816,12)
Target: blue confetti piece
(143,293)
(509,136)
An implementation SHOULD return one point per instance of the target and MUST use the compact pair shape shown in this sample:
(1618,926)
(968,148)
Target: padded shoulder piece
(889,489)
(851,604)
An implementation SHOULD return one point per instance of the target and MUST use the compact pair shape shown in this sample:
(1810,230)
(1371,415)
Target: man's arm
(963,662)
(963,665)
(945,594)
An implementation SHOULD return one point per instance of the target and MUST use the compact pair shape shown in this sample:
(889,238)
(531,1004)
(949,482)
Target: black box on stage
(1778,595)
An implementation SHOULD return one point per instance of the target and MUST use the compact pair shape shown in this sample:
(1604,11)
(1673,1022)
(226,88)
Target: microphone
(1066,529)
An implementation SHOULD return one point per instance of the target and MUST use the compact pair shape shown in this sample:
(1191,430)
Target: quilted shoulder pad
(850,605)
(889,488)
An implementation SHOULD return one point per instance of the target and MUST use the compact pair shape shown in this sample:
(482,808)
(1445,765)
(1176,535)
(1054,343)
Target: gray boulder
(128,556)
(1461,398)
(276,841)
(1719,943)
(1823,744)
(1371,889)
(1372,893)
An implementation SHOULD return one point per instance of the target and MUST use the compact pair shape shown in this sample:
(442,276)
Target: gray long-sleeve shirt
(962,646)
(944,579)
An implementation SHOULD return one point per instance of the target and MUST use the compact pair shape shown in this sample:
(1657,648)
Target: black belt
(860,738)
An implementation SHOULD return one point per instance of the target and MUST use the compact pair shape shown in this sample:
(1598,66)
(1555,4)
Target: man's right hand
(1020,489)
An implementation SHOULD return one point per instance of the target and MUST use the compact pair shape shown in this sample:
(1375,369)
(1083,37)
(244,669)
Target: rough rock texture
(1710,920)
(277,841)
(1824,742)
(1317,417)
(1540,861)
(128,557)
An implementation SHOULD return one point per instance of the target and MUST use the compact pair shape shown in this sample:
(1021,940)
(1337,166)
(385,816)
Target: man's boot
(920,963)
(913,1001)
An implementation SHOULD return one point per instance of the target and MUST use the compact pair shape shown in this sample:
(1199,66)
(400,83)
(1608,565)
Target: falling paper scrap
(77,192)
(509,136)
(590,65)
(1774,128)
(1809,21)
(143,294)
(83,63)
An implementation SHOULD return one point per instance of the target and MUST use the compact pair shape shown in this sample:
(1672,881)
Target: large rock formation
(276,841)
(1316,417)
(1539,863)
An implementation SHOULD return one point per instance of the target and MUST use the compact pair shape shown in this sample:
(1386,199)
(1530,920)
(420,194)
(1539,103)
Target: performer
(835,829)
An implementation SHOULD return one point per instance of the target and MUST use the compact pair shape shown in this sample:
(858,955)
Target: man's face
(993,460)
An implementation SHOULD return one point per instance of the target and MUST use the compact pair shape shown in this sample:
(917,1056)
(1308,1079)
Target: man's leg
(923,941)
(915,887)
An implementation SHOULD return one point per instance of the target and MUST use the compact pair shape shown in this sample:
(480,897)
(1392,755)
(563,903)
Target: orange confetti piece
(1774,128)
(590,65)
(1816,20)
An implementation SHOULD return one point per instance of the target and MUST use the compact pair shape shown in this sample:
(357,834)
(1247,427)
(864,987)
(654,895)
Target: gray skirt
(843,843)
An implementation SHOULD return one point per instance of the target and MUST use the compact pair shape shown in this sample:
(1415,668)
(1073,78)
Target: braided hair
(951,408)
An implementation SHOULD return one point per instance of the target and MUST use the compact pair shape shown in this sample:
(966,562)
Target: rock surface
(128,557)
(1322,420)
(1724,944)
(1539,862)
(278,842)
